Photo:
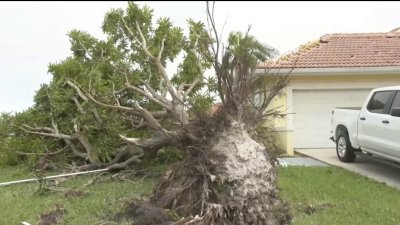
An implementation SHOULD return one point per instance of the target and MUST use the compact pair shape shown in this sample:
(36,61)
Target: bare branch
(161,49)
(78,105)
(215,49)
(152,91)
(158,63)
(77,89)
(155,100)
(43,153)
(115,97)
(86,50)
(53,135)
(144,43)
(75,150)
(155,60)
(121,108)
(87,145)
(54,126)
(149,96)
(48,129)
(193,85)
(97,116)
(155,114)
(163,90)
(130,31)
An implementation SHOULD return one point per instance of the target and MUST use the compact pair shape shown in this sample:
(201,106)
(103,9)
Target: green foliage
(102,68)
(245,48)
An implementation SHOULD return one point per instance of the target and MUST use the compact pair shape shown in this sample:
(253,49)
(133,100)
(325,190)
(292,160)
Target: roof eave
(332,71)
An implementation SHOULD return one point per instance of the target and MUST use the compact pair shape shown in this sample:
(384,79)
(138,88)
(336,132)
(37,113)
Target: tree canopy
(119,87)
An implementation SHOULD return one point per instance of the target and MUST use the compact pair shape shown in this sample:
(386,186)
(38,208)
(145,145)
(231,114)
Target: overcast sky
(33,34)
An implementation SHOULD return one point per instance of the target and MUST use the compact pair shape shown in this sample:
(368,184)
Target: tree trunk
(233,182)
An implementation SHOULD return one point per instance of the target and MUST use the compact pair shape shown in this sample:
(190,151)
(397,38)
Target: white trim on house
(332,71)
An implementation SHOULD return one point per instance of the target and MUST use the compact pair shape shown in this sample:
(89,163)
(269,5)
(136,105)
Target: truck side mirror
(395,112)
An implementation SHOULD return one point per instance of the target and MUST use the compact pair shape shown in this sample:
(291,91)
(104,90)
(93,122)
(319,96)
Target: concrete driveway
(362,165)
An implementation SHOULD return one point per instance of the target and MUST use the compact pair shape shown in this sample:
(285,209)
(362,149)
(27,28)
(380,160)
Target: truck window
(396,101)
(378,101)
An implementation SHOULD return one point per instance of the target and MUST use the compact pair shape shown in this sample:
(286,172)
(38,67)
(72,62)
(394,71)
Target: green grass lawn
(316,196)
(338,197)
(103,199)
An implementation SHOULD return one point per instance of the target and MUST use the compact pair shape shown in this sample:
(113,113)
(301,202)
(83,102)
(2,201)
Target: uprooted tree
(117,94)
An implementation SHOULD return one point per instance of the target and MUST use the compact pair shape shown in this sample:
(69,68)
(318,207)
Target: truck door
(372,126)
(391,128)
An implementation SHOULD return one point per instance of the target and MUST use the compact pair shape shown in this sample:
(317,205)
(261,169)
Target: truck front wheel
(344,150)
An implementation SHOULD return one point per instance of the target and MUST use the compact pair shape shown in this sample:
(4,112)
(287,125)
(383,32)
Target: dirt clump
(53,217)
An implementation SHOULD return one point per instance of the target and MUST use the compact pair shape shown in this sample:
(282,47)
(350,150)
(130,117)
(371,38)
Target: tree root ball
(232,182)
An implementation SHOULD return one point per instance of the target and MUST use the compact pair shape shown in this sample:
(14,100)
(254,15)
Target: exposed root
(185,187)
(231,183)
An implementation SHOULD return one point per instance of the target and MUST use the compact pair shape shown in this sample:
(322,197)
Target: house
(338,70)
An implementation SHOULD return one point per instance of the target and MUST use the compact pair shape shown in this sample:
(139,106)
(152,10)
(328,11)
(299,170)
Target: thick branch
(85,142)
(149,96)
(88,147)
(47,129)
(149,144)
(151,122)
(75,150)
(123,165)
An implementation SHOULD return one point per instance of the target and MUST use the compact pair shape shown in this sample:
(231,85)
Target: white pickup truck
(373,129)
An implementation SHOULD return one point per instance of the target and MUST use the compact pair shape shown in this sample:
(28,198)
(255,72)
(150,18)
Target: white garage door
(312,114)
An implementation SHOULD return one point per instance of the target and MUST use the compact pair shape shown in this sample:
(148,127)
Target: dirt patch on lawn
(53,217)
(143,213)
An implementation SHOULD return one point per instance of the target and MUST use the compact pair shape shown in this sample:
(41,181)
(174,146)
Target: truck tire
(344,150)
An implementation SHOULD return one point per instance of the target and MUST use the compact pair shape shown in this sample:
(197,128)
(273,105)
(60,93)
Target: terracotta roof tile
(344,50)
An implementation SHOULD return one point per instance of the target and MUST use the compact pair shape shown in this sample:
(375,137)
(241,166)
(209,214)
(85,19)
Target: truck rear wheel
(344,150)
